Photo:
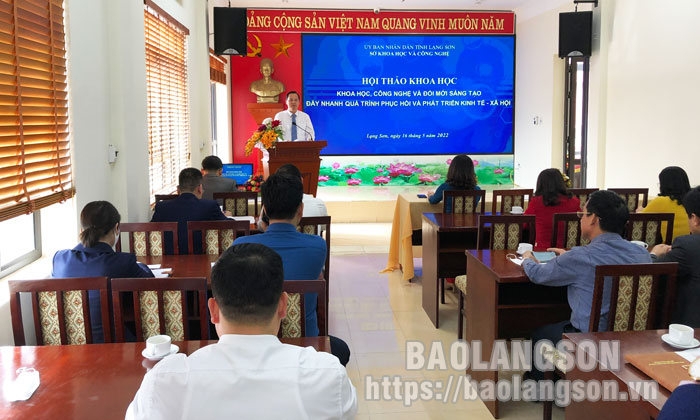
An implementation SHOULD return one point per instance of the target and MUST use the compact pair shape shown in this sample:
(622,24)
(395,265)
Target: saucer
(692,345)
(173,349)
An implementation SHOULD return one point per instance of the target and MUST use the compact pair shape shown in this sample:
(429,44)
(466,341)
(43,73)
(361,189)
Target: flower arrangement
(265,137)
(254,183)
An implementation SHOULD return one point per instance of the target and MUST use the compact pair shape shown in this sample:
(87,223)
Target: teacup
(516,210)
(523,247)
(158,345)
(681,334)
(641,243)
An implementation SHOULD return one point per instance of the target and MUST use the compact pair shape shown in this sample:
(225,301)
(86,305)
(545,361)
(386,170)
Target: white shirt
(313,206)
(303,123)
(247,377)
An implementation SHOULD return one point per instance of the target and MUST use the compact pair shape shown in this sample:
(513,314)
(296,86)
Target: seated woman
(460,176)
(673,186)
(95,256)
(551,196)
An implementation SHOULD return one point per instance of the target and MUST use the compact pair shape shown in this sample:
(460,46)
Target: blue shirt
(576,270)
(437,197)
(99,260)
(303,257)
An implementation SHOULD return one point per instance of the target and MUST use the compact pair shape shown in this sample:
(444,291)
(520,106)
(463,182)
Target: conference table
(445,237)
(186,265)
(627,377)
(502,303)
(89,381)
(407,219)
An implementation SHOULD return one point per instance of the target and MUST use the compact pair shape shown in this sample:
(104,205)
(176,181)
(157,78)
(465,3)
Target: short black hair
(212,163)
(247,282)
(691,202)
(189,179)
(293,92)
(281,195)
(289,169)
(674,183)
(611,210)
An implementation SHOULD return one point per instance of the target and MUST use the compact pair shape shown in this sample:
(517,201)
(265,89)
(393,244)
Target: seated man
(248,374)
(188,206)
(303,255)
(603,220)
(212,181)
(685,251)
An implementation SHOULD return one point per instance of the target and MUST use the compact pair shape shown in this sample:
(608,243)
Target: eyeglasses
(580,214)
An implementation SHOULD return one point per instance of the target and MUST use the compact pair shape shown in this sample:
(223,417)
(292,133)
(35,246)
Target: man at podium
(296,125)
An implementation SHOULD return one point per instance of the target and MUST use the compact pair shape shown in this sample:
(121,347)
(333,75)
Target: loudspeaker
(575,34)
(230,31)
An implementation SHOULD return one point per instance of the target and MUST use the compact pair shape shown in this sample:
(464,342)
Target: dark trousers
(340,349)
(553,333)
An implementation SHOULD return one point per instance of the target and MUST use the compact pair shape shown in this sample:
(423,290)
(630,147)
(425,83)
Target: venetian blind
(168,105)
(217,68)
(35,165)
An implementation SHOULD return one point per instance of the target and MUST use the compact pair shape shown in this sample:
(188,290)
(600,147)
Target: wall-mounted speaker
(575,30)
(230,31)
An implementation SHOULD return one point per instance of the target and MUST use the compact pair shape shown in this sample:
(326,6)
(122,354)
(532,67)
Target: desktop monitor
(240,172)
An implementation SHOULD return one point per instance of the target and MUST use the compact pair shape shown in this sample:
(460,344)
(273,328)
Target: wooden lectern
(302,154)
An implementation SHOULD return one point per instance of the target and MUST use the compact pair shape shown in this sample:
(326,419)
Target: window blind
(217,68)
(168,104)
(35,164)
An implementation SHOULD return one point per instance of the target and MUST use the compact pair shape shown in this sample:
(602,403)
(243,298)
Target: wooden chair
(571,225)
(294,324)
(632,197)
(582,193)
(148,238)
(216,236)
(503,232)
(504,200)
(165,197)
(60,309)
(238,202)
(647,227)
(636,292)
(321,226)
(464,201)
(160,307)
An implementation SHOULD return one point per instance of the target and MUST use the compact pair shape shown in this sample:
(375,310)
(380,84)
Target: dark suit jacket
(100,260)
(184,208)
(686,251)
(683,404)
(214,184)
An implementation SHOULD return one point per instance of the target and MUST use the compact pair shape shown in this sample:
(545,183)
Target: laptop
(240,172)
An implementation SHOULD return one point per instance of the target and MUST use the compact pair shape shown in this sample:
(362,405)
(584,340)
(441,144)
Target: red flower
(275,123)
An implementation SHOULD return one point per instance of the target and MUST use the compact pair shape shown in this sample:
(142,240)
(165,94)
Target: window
(168,104)
(35,165)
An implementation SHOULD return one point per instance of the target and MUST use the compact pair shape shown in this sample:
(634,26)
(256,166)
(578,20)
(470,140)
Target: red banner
(380,22)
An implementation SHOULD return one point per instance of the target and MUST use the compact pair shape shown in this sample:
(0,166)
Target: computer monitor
(240,172)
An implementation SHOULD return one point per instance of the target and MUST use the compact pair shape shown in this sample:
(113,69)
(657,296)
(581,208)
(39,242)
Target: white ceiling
(524,9)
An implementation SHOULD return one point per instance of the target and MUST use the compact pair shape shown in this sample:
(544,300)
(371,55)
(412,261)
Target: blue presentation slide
(410,94)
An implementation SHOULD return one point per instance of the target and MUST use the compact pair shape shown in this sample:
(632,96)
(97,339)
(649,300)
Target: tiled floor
(377,313)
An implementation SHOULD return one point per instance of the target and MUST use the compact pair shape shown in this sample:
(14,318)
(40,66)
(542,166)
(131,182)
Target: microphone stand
(302,129)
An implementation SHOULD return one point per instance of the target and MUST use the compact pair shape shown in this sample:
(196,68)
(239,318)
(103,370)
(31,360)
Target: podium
(302,154)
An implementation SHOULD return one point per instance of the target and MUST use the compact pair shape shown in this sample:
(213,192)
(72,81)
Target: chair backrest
(216,235)
(160,306)
(321,226)
(464,201)
(60,309)
(238,202)
(582,193)
(504,200)
(148,238)
(505,231)
(294,323)
(632,197)
(164,197)
(634,295)
(646,227)
(570,224)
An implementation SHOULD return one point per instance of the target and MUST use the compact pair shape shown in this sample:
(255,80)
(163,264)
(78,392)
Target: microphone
(294,123)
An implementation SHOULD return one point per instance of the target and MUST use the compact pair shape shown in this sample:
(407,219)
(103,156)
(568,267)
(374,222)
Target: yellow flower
(266,136)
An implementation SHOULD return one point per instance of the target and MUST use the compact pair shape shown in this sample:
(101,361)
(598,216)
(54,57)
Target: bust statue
(267,89)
